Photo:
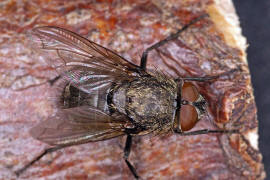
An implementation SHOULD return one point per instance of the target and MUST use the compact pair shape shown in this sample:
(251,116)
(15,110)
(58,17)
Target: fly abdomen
(119,97)
(74,97)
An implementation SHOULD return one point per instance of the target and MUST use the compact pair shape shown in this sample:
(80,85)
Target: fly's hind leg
(46,151)
(164,41)
(126,155)
(52,81)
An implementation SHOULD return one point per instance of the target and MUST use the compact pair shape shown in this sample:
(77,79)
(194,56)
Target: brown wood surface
(128,27)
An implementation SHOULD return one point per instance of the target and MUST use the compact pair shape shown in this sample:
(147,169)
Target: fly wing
(84,63)
(92,69)
(77,126)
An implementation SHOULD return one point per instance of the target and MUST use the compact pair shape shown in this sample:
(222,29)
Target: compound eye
(188,117)
(188,114)
(189,92)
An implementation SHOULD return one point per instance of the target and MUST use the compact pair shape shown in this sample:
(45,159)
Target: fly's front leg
(46,151)
(126,155)
(178,130)
(164,41)
(205,131)
(209,78)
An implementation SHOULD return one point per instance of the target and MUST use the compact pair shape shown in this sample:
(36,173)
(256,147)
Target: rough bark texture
(128,27)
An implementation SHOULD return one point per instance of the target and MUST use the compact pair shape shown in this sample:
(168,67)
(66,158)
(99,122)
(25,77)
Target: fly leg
(205,131)
(164,41)
(52,81)
(126,155)
(209,78)
(46,151)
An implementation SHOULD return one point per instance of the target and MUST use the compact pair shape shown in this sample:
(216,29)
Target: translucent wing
(77,126)
(92,69)
(84,63)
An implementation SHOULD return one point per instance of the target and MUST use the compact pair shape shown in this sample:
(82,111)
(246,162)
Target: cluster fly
(106,96)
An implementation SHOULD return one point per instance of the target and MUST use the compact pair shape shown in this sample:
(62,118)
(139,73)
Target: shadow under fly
(106,96)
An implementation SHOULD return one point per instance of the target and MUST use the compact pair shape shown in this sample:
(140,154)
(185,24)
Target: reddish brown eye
(188,114)
(189,92)
(188,117)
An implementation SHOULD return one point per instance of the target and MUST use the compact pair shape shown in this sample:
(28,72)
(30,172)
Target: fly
(106,96)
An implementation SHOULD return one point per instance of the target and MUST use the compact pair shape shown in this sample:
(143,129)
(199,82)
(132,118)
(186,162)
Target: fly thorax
(149,102)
